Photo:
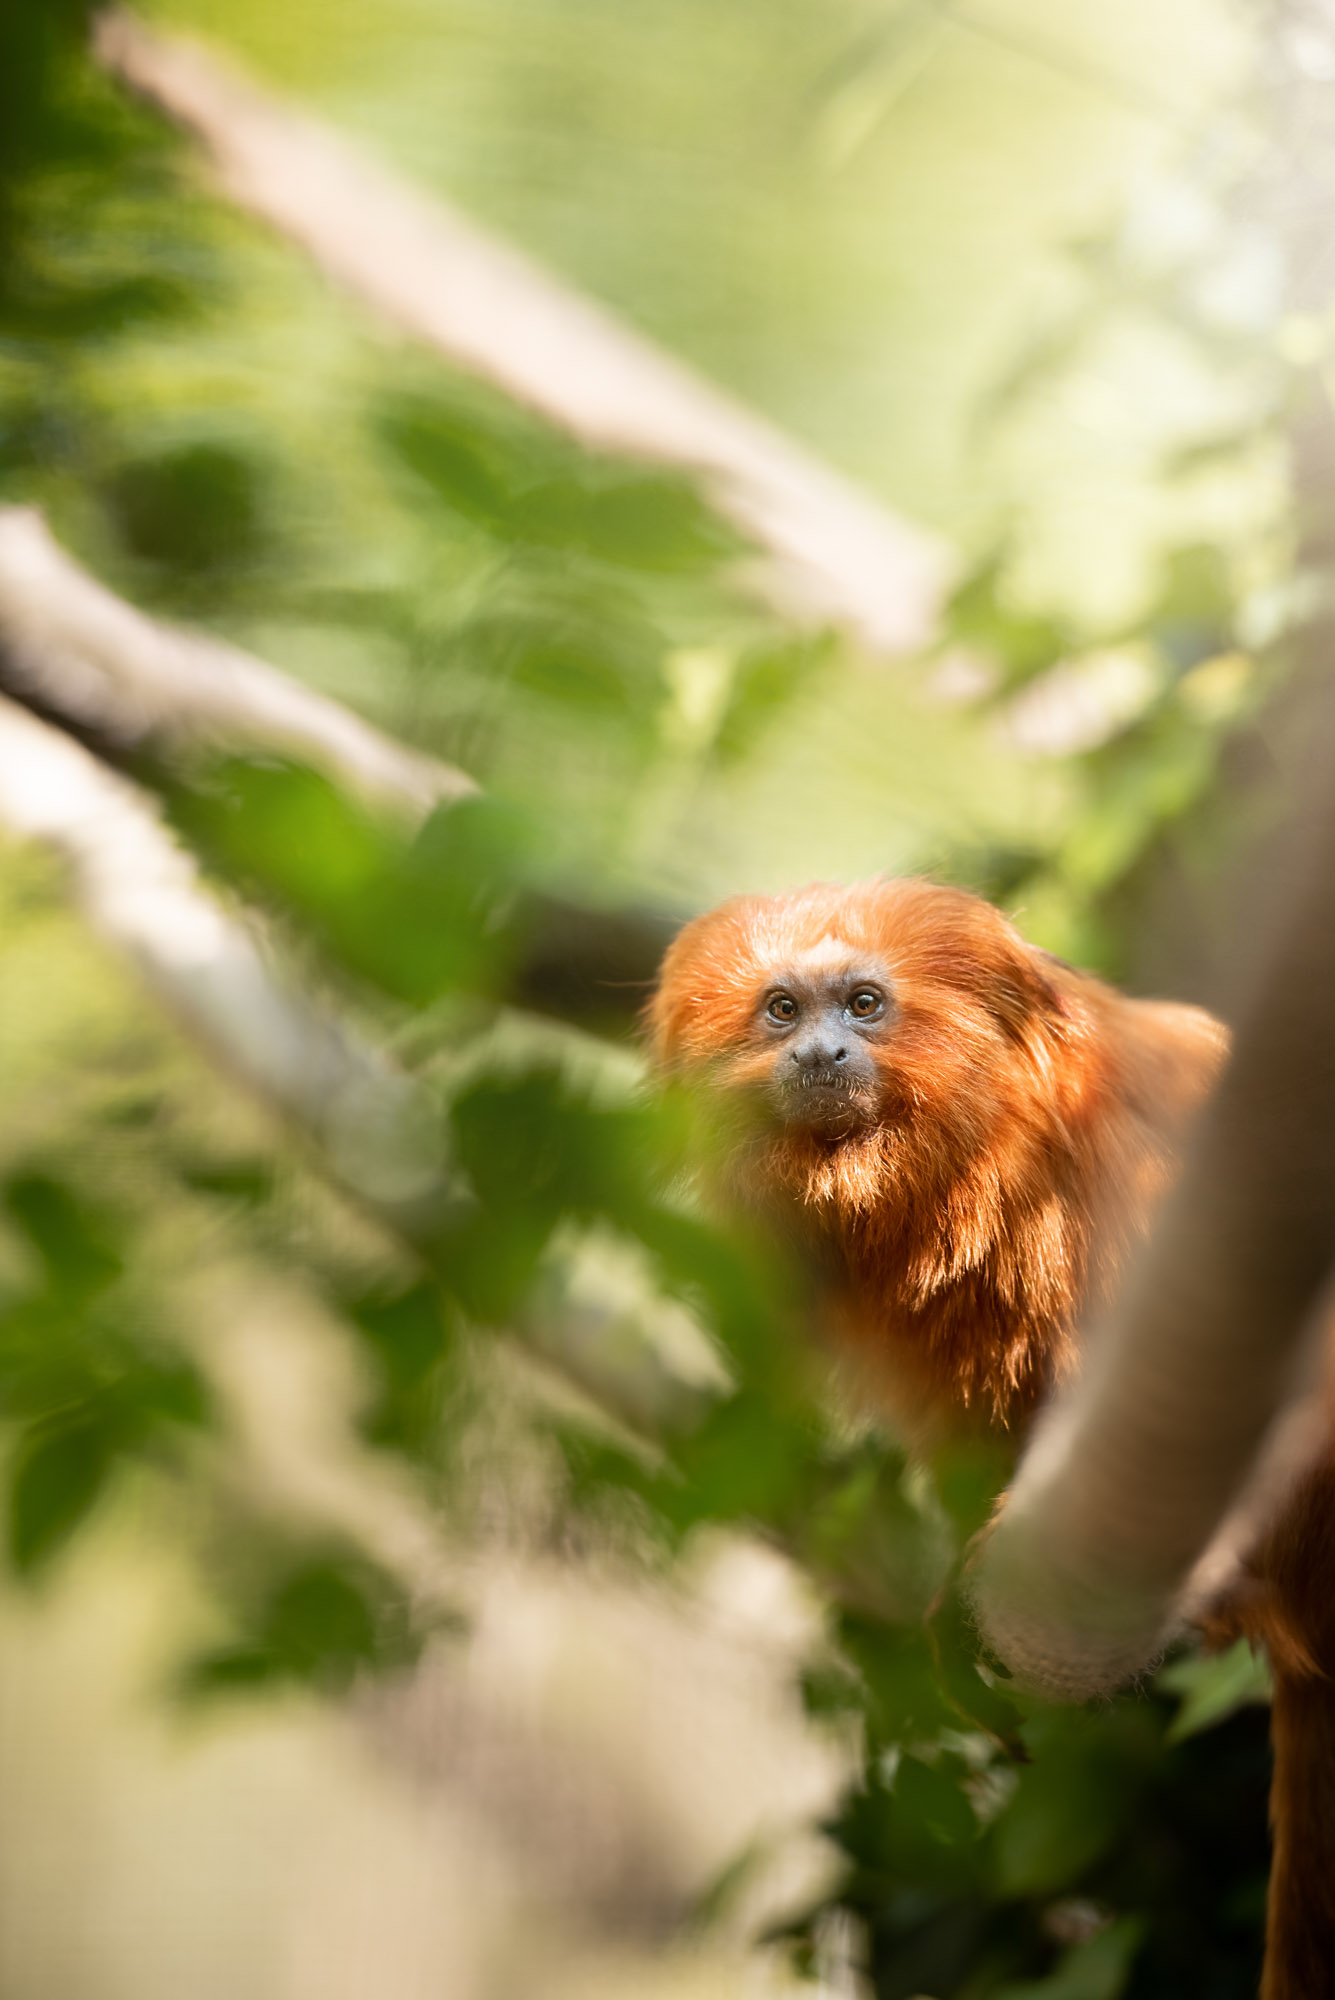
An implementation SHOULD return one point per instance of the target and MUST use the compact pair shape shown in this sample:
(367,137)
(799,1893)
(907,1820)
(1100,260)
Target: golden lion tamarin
(970,1135)
(971,1131)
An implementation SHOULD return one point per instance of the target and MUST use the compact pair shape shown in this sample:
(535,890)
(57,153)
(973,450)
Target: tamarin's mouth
(828,1101)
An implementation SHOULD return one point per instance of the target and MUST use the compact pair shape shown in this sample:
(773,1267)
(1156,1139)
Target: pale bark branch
(371,1130)
(127,683)
(72,647)
(1204,1396)
(835,554)
(142,892)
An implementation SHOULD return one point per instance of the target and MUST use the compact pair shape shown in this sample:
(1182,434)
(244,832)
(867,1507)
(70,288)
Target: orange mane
(1028,1118)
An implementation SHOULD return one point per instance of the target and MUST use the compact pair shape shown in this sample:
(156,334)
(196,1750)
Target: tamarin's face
(818,1018)
(840,1009)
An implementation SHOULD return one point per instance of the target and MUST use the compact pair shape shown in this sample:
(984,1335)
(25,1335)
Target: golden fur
(1027,1117)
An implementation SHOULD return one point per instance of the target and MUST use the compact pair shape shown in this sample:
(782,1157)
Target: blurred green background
(1023,271)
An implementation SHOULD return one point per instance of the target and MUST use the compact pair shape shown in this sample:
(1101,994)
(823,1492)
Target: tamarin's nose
(819,1055)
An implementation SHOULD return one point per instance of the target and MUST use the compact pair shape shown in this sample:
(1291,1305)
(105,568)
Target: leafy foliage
(570,630)
(86,1382)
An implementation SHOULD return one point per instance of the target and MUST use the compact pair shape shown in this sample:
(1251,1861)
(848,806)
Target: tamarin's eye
(865,1003)
(782,1007)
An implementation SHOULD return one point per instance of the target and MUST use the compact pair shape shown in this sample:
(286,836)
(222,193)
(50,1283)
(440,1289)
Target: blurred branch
(142,892)
(76,654)
(1204,1375)
(835,553)
(374,1132)
(587,965)
(71,649)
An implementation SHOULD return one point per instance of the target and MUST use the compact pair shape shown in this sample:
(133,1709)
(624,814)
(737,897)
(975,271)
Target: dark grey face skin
(826,1028)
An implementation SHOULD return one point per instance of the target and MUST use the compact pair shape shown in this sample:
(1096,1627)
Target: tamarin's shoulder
(1168,1054)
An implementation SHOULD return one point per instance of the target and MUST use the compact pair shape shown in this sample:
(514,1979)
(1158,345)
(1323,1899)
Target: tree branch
(1208,1367)
(71,648)
(142,892)
(127,684)
(835,553)
(372,1131)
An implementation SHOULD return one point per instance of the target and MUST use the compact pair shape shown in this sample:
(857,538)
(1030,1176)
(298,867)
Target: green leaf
(322,1618)
(744,1463)
(766,681)
(73,1241)
(931,1795)
(416,916)
(407,1332)
(916,1828)
(58,1476)
(907,1703)
(411,1335)
(537,1145)
(1074,1799)
(1215,1685)
(194,507)
(1095,1969)
(320,1623)
(525,485)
